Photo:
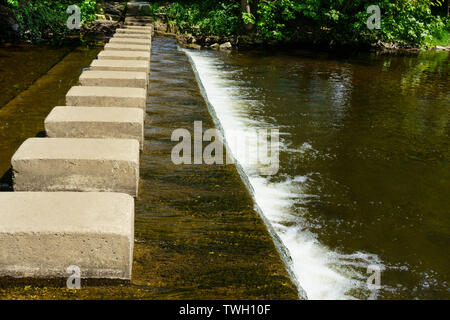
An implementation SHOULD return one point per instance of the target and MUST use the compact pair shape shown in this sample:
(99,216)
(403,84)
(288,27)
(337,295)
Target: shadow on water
(6,181)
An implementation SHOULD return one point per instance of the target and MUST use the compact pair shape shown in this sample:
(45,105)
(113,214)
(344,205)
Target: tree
(247,11)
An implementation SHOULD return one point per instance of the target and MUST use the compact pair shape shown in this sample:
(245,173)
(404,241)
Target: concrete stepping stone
(138,19)
(124,55)
(137,23)
(132,35)
(93,96)
(120,65)
(147,42)
(43,233)
(76,164)
(134,31)
(114,79)
(96,122)
(127,47)
(149,28)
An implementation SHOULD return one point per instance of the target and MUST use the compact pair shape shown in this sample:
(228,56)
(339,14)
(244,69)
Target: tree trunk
(245,5)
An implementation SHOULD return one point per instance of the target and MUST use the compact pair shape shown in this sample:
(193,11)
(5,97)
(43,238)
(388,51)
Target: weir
(197,234)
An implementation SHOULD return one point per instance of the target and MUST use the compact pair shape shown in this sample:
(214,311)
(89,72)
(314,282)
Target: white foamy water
(323,273)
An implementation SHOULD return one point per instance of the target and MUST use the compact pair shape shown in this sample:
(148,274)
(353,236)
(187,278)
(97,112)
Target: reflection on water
(364,174)
(23,117)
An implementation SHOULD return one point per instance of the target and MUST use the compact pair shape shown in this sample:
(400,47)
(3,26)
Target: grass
(442,39)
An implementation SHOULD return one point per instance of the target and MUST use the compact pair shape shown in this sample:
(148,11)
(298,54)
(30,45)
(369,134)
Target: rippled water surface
(364,162)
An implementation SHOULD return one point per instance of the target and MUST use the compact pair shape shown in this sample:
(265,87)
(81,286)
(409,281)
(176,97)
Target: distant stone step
(127,47)
(131,35)
(124,55)
(74,164)
(138,23)
(138,19)
(137,7)
(114,79)
(134,31)
(149,28)
(43,233)
(96,122)
(93,96)
(120,65)
(131,41)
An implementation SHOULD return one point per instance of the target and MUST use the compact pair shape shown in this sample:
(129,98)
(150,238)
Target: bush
(40,19)
(209,17)
(342,21)
(408,21)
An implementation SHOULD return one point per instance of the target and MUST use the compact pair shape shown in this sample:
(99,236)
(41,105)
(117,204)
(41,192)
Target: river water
(363,182)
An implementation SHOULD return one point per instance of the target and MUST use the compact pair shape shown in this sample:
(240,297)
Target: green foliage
(408,21)
(208,17)
(40,19)
(341,21)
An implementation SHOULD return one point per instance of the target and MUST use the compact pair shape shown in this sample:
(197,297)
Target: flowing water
(196,233)
(363,179)
(363,176)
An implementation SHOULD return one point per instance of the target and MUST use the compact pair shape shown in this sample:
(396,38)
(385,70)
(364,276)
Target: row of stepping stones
(73,198)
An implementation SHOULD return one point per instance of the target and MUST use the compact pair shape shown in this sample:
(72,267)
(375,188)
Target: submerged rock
(440,48)
(215,46)
(226,46)
(100,28)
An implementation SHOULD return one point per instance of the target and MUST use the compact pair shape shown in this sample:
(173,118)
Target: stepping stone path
(73,203)
(107,97)
(43,233)
(94,122)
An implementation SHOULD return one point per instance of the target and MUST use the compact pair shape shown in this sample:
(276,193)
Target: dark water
(364,164)
(21,65)
(23,116)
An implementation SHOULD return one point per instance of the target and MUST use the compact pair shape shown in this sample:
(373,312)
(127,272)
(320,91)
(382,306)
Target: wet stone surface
(196,233)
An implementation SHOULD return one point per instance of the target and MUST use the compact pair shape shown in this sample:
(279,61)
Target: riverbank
(221,27)
(401,25)
(46,23)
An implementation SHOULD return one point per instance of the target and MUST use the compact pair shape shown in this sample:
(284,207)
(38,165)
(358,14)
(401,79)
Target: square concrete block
(43,233)
(73,164)
(138,23)
(140,19)
(148,28)
(120,65)
(87,96)
(147,42)
(132,35)
(124,55)
(96,122)
(134,31)
(127,47)
(114,79)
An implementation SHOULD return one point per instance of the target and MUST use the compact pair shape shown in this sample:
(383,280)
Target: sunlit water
(363,178)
